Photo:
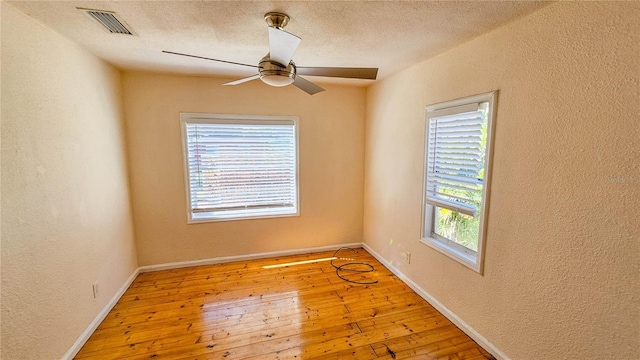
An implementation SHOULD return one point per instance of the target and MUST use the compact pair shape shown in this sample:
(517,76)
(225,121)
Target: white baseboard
(82,339)
(481,340)
(226,259)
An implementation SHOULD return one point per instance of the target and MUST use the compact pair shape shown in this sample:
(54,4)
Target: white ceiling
(389,35)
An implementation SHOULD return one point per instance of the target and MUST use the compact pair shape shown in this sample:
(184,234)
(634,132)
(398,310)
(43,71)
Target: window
(240,167)
(457,170)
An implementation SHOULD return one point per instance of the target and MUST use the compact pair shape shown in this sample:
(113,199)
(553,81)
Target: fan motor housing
(274,74)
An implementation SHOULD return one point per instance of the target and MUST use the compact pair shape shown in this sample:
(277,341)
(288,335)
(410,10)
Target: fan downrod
(276,19)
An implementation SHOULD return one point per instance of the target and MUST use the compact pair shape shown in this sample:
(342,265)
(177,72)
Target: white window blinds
(241,168)
(455,158)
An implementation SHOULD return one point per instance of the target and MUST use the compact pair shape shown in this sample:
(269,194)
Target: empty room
(320,180)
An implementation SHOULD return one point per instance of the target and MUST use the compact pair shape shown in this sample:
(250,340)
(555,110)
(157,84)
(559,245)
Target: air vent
(109,20)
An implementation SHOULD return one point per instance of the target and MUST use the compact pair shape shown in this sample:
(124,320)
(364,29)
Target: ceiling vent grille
(109,20)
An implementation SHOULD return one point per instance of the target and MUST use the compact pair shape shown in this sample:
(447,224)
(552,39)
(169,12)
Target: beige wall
(561,270)
(331,158)
(66,219)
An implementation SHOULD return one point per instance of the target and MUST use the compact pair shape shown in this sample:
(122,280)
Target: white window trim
(441,244)
(233,118)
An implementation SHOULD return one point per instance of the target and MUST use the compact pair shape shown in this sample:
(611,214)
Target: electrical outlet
(96,290)
(406,257)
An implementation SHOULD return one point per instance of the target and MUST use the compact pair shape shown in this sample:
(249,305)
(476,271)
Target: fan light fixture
(274,74)
(277,69)
(276,80)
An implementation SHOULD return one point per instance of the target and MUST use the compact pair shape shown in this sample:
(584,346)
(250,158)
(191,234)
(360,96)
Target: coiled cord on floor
(350,267)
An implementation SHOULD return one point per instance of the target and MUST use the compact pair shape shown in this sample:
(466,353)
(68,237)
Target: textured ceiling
(390,35)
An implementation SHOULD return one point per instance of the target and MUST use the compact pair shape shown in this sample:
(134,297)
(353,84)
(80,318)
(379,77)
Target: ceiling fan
(277,69)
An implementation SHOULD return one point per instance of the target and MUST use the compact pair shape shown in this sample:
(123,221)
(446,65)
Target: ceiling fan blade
(282,45)
(206,58)
(243,80)
(353,73)
(307,86)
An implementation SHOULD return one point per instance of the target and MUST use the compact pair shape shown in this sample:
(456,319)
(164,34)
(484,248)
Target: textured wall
(561,270)
(66,219)
(331,158)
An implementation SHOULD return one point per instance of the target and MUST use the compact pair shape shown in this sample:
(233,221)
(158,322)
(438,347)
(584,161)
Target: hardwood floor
(243,311)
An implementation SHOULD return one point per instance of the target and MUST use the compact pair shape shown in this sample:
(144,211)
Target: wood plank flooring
(241,310)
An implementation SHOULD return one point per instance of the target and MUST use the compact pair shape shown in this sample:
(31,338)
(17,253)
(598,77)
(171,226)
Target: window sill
(463,258)
(207,217)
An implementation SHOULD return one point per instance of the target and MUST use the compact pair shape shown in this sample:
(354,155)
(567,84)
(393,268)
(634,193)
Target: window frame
(207,118)
(467,257)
